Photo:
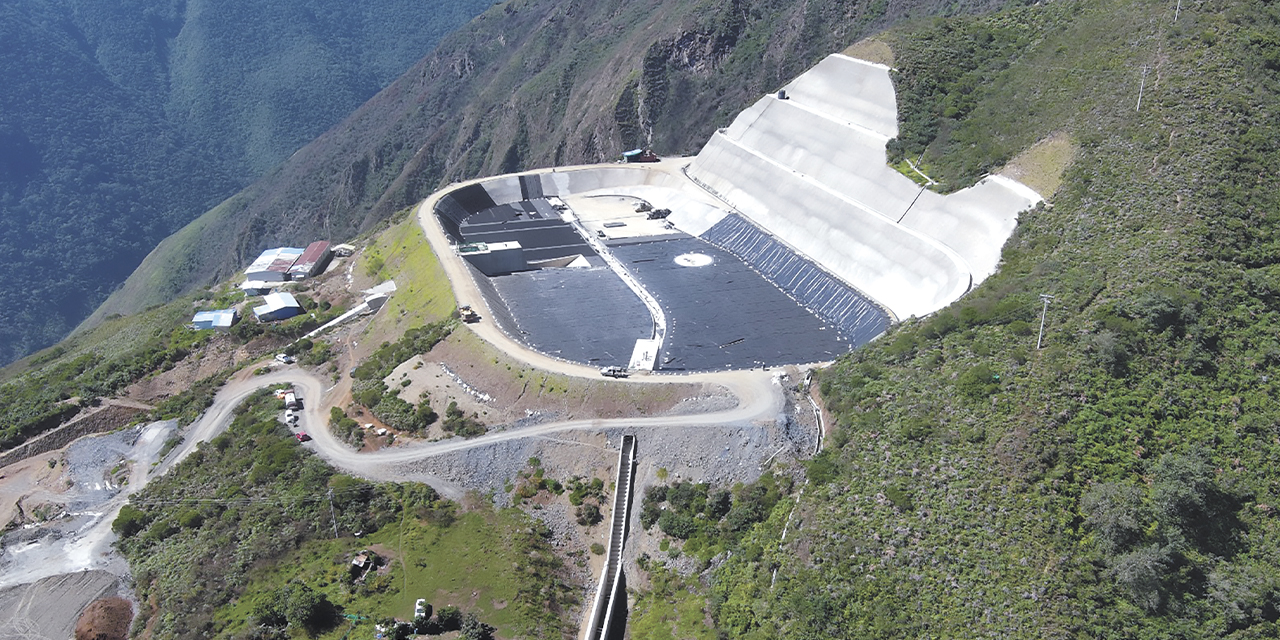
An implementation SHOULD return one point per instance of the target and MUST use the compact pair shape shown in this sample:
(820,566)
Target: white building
(277,306)
(221,319)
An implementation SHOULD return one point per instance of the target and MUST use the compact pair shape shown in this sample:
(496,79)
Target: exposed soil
(32,490)
(105,619)
(220,353)
(469,371)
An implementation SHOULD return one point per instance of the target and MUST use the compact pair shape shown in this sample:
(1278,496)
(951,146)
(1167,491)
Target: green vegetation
(237,536)
(532,481)
(345,428)
(710,522)
(672,608)
(496,555)
(391,354)
(124,121)
(402,252)
(459,423)
(312,353)
(58,383)
(1118,482)
(370,391)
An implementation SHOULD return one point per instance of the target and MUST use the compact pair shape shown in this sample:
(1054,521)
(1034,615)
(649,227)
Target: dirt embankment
(105,619)
(31,490)
(501,390)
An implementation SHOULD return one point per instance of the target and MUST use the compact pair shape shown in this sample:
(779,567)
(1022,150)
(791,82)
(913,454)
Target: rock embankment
(111,415)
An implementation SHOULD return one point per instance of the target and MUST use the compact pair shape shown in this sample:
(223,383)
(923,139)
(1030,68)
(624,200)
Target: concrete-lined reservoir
(788,240)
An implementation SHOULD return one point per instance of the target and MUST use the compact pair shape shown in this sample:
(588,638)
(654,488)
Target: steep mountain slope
(120,122)
(1119,482)
(529,83)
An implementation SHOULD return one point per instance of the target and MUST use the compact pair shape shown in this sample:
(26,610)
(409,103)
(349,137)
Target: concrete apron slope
(811,169)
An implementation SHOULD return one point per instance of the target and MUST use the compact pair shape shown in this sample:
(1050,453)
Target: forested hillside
(122,121)
(529,83)
(1120,481)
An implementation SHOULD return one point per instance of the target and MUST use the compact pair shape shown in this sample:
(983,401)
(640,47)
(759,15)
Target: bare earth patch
(221,353)
(1041,167)
(871,50)
(467,370)
(28,485)
(105,619)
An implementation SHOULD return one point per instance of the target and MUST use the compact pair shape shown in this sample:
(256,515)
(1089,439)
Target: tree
(1116,514)
(304,607)
(472,629)
(402,631)
(449,617)
(588,515)
(718,505)
(1182,488)
(130,521)
(677,525)
(1142,573)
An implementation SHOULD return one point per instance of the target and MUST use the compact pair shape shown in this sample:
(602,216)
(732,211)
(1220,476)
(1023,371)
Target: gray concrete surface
(48,609)
(811,170)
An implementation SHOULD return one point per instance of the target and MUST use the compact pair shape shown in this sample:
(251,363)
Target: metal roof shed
(221,319)
(277,306)
(312,261)
(274,264)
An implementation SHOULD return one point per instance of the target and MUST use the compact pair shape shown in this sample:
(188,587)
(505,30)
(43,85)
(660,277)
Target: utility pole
(333,516)
(1045,298)
(1142,85)
(1177,11)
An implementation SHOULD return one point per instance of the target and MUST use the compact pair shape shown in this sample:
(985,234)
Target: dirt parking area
(465,369)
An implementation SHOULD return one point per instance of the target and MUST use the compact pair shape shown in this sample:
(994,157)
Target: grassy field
(423,294)
(470,564)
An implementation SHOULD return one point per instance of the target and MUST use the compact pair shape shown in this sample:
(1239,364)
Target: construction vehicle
(640,155)
(468,314)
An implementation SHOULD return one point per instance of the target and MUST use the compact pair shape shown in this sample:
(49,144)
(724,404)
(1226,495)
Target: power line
(1045,298)
(334,517)
(1142,85)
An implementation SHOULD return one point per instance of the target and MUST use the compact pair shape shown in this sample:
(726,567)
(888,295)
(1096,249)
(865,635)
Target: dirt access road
(758,398)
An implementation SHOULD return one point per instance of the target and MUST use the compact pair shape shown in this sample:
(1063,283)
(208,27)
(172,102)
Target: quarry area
(712,284)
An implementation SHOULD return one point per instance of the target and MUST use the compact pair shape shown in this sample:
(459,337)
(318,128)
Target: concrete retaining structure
(810,169)
(603,609)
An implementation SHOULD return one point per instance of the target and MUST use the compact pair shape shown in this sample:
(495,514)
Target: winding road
(758,397)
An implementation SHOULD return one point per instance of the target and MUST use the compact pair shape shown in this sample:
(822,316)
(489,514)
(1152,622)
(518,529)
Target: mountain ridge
(122,122)
(591,80)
